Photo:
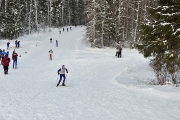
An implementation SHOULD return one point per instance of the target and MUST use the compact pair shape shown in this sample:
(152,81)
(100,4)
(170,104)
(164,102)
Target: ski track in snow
(100,86)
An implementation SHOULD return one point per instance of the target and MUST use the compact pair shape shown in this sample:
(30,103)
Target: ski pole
(57,79)
(66,78)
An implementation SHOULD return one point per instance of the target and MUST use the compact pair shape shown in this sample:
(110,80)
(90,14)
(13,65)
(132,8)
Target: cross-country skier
(14,58)
(6,60)
(56,43)
(62,71)
(50,40)
(63,29)
(50,54)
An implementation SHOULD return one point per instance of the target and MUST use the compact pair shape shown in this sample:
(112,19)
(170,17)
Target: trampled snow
(99,85)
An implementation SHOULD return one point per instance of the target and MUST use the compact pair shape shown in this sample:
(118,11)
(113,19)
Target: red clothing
(6,60)
(14,55)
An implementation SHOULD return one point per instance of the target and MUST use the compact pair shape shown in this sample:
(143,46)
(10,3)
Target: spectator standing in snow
(3,53)
(6,60)
(63,29)
(59,31)
(67,29)
(8,43)
(14,58)
(118,51)
(50,40)
(50,54)
(62,71)
(56,43)
(16,43)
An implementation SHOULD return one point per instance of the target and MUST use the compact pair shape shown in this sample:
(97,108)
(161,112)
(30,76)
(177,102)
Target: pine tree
(161,38)
(56,13)
(11,26)
(73,12)
(80,12)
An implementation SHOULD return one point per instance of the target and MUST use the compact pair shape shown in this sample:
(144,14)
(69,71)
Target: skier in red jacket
(6,60)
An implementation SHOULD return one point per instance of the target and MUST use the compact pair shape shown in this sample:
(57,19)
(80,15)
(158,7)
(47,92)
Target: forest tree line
(19,17)
(116,21)
(151,26)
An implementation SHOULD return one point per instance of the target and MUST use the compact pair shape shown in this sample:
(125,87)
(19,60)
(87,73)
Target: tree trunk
(36,20)
(30,17)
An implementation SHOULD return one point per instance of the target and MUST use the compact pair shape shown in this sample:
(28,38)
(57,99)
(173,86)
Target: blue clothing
(62,71)
(16,43)
(62,75)
(14,63)
(3,53)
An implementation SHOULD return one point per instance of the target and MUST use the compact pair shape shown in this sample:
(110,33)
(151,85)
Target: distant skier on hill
(50,54)
(56,43)
(62,71)
(63,29)
(50,40)
(67,29)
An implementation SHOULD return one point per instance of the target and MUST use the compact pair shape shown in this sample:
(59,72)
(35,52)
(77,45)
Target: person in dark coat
(8,43)
(18,44)
(118,51)
(6,60)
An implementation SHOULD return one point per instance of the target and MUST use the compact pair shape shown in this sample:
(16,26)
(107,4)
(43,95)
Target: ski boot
(63,84)
(57,85)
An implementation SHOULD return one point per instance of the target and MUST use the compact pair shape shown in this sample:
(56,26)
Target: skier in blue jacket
(62,71)
(56,43)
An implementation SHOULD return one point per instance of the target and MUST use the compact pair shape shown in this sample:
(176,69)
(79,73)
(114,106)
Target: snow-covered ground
(99,85)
